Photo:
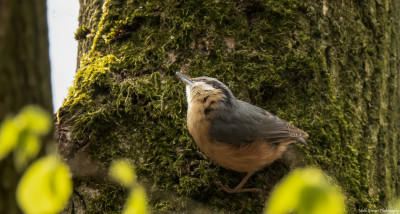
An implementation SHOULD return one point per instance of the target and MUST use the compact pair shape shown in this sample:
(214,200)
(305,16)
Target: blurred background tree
(25,77)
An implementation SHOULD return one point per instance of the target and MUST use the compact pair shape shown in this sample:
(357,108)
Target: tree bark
(329,67)
(25,75)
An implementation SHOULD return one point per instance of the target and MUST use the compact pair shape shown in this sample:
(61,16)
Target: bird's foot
(237,189)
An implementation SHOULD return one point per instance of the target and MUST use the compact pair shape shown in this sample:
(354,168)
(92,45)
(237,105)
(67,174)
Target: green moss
(278,55)
(81,32)
(104,196)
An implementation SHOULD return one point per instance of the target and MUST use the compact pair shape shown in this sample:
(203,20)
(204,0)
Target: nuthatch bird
(235,134)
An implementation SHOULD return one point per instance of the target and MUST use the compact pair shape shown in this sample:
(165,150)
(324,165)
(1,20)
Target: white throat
(204,87)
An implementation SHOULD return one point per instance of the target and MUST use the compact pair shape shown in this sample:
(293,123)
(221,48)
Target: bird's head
(205,86)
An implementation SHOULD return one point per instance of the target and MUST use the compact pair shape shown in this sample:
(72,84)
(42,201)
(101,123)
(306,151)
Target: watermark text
(395,210)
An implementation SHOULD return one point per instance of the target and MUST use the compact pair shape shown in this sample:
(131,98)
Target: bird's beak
(185,79)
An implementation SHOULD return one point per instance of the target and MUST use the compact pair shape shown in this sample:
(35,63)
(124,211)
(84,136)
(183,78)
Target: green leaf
(26,150)
(45,187)
(8,137)
(22,134)
(136,203)
(36,120)
(123,171)
(33,123)
(306,191)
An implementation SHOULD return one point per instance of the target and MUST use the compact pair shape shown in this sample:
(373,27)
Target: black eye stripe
(214,84)
(217,85)
(223,88)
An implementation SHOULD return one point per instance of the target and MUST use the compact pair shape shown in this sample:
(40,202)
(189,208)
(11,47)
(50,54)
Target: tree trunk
(25,75)
(330,68)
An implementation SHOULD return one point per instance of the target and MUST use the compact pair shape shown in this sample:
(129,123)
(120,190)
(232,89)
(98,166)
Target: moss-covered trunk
(24,76)
(330,68)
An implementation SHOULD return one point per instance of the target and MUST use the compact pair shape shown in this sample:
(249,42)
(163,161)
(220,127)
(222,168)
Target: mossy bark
(25,76)
(330,68)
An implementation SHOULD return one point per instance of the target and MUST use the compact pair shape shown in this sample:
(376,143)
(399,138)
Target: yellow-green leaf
(8,137)
(35,119)
(123,171)
(22,133)
(306,191)
(26,150)
(136,203)
(45,187)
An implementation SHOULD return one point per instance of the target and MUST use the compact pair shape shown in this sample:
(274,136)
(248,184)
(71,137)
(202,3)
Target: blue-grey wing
(246,123)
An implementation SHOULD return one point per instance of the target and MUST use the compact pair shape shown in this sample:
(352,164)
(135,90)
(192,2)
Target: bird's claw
(237,190)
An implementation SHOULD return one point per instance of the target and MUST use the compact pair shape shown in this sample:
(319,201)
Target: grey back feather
(242,123)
